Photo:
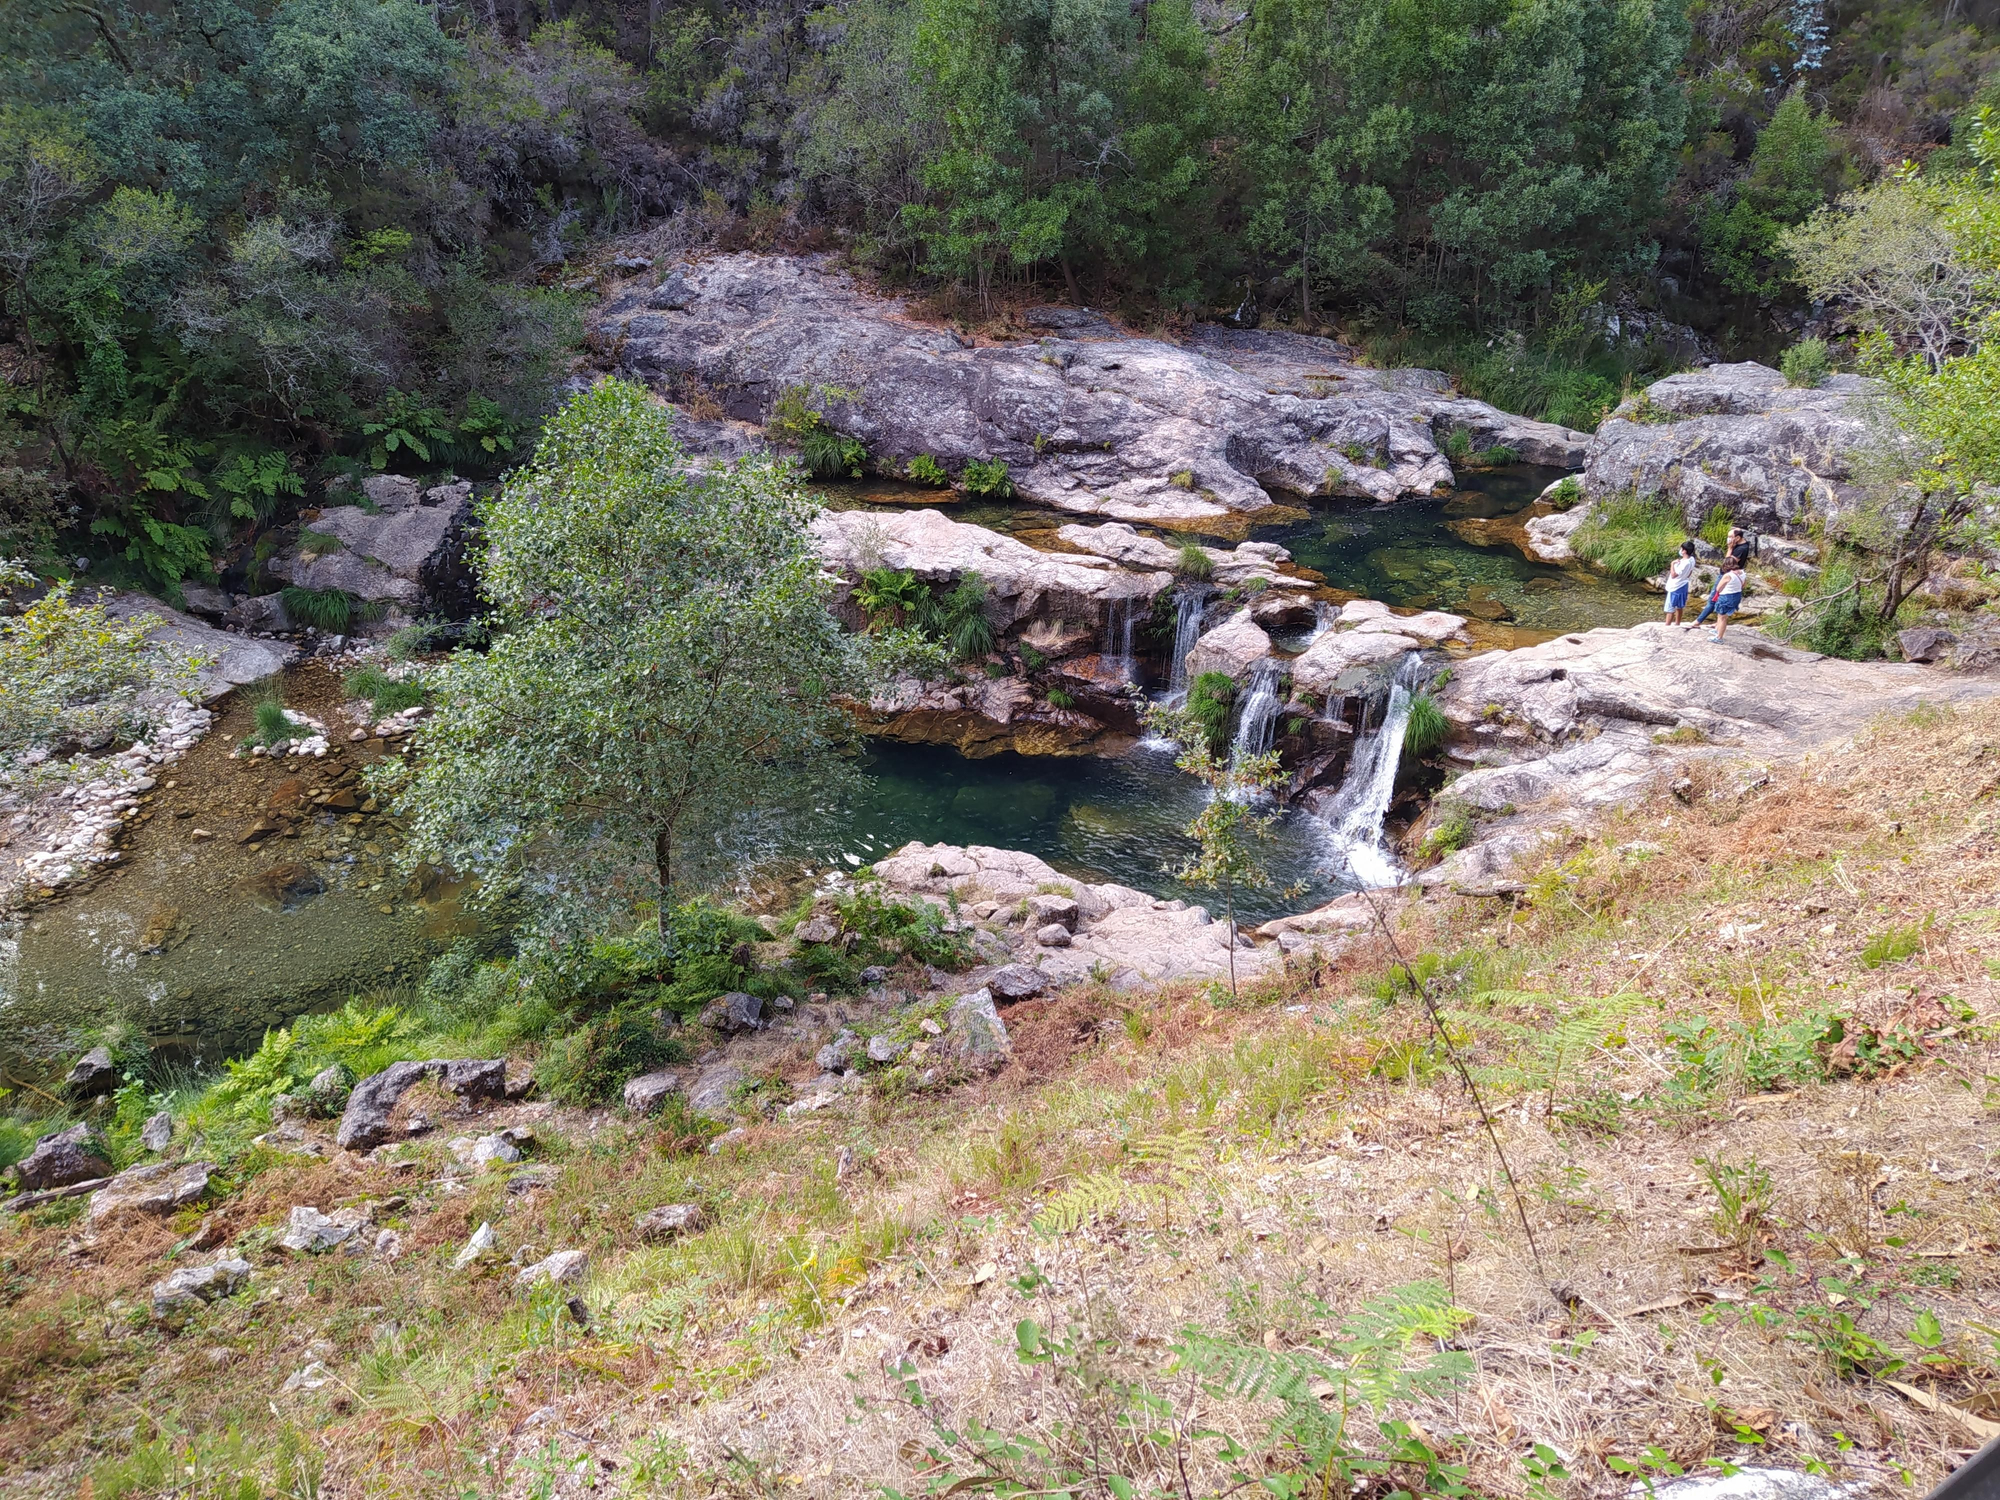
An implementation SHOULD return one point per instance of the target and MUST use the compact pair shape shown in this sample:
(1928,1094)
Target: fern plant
(1172,1165)
(1549,1048)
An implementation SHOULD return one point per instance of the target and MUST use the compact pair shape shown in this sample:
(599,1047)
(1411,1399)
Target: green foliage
(1744,1197)
(832,455)
(1209,701)
(362,1037)
(1425,733)
(1450,831)
(273,724)
(331,610)
(1715,525)
(385,694)
(1895,944)
(612,728)
(589,1065)
(927,470)
(1806,363)
(891,596)
(1568,491)
(1194,561)
(1629,537)
(1836,619)
(1060,699)
(404,426)
(988,477)
(1797,164)
(960,619)
(1760,1056)
(886,930)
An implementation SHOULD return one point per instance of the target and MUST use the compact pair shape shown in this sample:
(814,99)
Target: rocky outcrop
(1735,436)
(364,1123)
(63,1157)
(1233,648)
(1230,567)
(229,660)
(1022,584)
(1366,636)
(405,547)
(1120,933)
(1086,419)
(158,1189)
(984,716)
(1551,732)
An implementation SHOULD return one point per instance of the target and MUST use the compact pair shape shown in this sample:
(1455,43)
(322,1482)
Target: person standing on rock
(1680,578)
(1726,600)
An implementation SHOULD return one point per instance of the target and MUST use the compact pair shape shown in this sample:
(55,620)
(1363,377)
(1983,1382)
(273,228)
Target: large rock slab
(231,661)
(1022,584)
(1086,419)
(1231,566)
(1343,661)
(62,1157)
(1233,648)
(402,551)
(157,1189)
(982,716)
(1737,436)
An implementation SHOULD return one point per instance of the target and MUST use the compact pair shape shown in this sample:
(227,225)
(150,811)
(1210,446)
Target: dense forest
(249,247)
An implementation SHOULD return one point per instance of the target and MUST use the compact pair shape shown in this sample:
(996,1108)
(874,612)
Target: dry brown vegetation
(1739,1049)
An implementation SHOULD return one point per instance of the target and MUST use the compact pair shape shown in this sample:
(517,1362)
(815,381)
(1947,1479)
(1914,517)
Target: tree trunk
(663,866)
(1069,280)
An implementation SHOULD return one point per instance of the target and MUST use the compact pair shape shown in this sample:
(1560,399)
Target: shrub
(325,609)
(1806,363)
(1450,831)
(1194,561)
(959,619)
(1715,525)
(1183,480)
(1427,727)
(1060,699)
(832,455)
(1210,697)
(926,470)
(1629,537)
(891,596)
(385,694)
(1837,620)
(1567,492)
(987,476)
(591,1064)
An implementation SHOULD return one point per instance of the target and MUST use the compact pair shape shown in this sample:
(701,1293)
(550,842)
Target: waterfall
(1119,619)
(1189,605)
(1355,817)
(1260,712)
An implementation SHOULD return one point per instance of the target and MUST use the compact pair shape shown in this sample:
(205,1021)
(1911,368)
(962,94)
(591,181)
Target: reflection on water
(1098,819)
(1457,553)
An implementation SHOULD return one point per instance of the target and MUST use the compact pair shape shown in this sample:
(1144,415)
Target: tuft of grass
(1630,538)
(1194,561)
(1427,728)
(1210,697)
(1715,525)
(325,609)
(832,455)
(1060,699)
(1567,493)
(924,469)
(385,694)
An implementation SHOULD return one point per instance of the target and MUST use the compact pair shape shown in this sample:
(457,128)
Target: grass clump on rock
(324,609)
(1630,538)
(385,694)
(1209,700)
(1194,561)
(1424,734)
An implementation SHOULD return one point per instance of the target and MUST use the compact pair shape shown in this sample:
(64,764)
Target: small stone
(733,1012)
(930,1027)
(311,1378)
(532,1175)
(882,1049)
(1016,982)
(819,929)
(874,974)
(192,1286)
(1050,908)
(564,1268)
(668,1220)
(477,1247)
(648,1093)
(310,1232)
(1055,935)
(158,1132)
(833,1057)
(477,1078)
(92,1075)
(389,1244)
(734,1137)
(714,1091)
(62,1157)
(979,1036)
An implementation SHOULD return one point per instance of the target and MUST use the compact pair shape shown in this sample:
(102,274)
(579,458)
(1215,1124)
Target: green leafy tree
(664,661)
(1796,166)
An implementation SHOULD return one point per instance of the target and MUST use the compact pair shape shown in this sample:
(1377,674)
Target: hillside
(1736,1042)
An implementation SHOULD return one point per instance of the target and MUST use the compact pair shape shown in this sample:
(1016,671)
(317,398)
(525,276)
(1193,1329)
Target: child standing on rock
(1680,577)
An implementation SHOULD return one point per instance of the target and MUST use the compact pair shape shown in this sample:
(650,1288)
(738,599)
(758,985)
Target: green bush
(987,476)
(1427,728)
(886,929)
(1629,537)
(1194,561)
(1450,831)
(1567,492)
(591,1064)
(959,619)
(1806,364)
(1715,525)
(385,694)
(1838,619)
(926,470)
(1210,697)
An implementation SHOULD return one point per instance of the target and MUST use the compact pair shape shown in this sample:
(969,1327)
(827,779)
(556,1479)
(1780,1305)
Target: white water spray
(1119,620)
(1260,712)
(1188,607)
(1355,818)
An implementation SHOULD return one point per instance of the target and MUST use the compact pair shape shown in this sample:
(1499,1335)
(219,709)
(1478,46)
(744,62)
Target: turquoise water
(1096,818)
(1446,554)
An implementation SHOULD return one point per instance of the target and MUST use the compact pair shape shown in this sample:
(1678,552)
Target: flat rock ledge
(1090,421)
(1551,734)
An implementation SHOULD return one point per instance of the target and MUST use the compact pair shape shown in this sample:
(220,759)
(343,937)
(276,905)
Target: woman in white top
(1680,577)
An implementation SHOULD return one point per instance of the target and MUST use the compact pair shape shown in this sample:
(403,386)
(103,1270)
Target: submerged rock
(1086,420)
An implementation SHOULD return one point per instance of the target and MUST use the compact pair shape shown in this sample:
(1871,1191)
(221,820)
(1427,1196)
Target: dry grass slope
(1739,1047)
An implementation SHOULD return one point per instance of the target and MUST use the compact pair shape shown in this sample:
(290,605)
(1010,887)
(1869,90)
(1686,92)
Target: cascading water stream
(1260,712)
(1189,605)
(1355,818)
(1119,621)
